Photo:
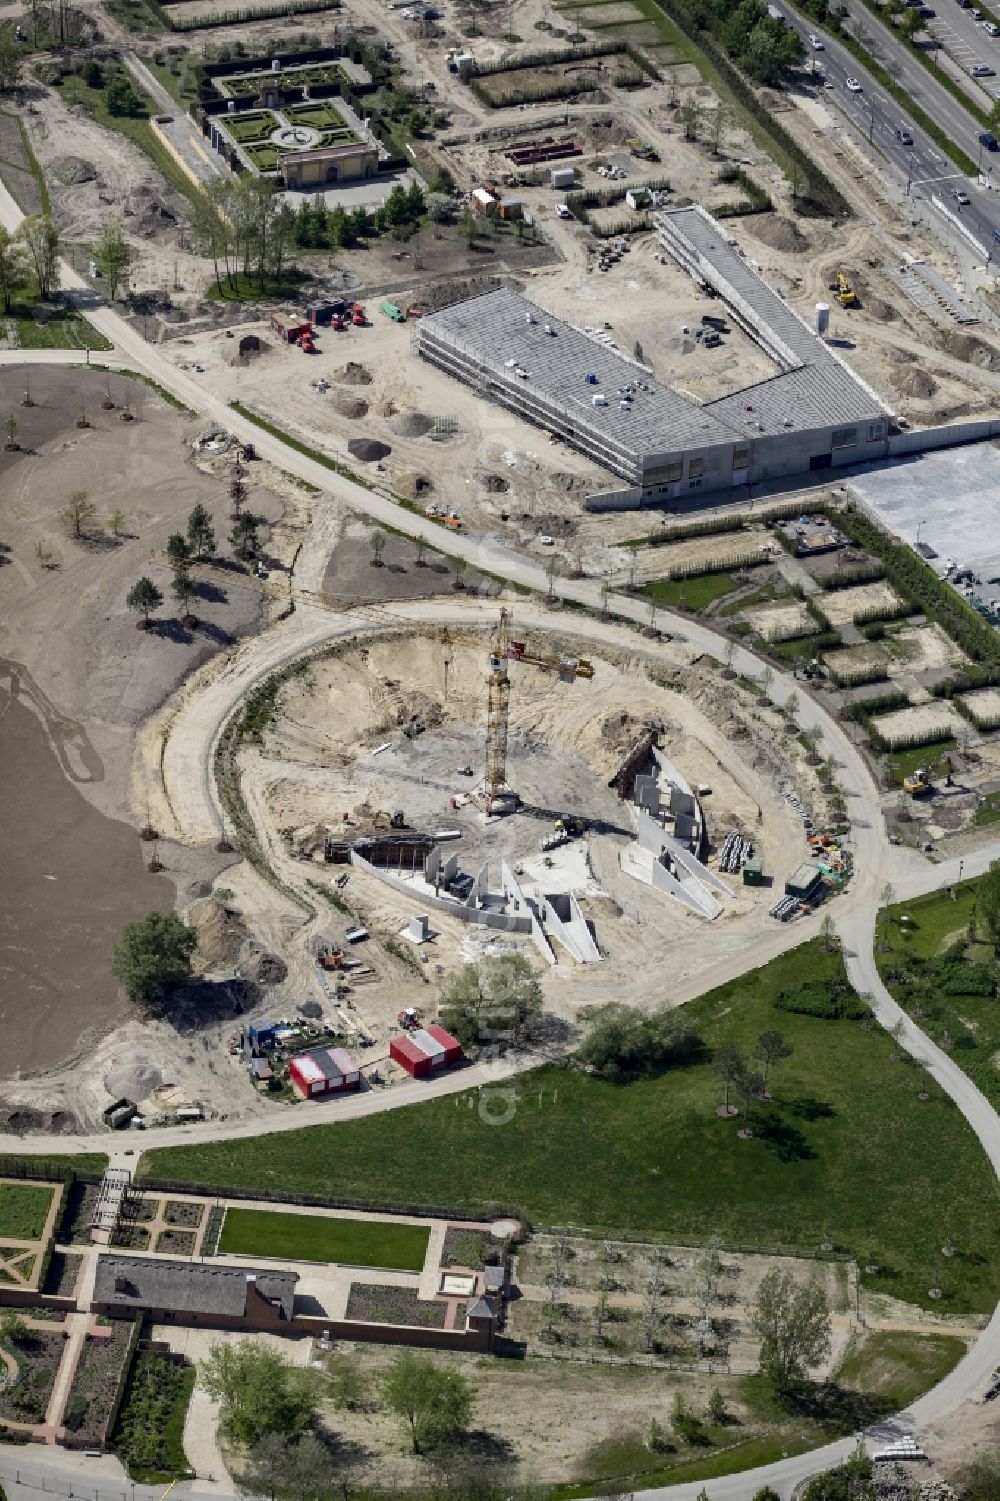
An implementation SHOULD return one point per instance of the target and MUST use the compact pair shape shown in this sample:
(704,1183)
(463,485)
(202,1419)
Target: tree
(690,118)
(13,268)
(153,956)
(771,1049)
(113,256)
(79,513)
(120,96)
(144,596)
(497,1000)
(434,1402)
(244,536)
(377,541)
(116,522)
(792,1321)
(792,704)
(829,941)
(182,588)
(259,1390)
(988,904)
(729,1064)
(40,238)
(717,1411)
(12,1326)
(10,64)
(237,491)
(750,1084)
(179,552)
(625,1043)
(201,537)
(288,1469)
(460,565)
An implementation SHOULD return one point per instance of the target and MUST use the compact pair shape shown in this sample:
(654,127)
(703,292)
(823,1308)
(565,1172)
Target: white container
(599,400)
(822,317)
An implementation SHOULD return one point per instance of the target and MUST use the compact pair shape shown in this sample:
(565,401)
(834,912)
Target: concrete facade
(813,414)
(353,161)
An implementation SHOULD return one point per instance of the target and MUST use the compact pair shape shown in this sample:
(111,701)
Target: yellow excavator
(844,292)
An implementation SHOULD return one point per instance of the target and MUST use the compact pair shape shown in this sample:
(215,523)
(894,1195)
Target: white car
(854,86)
(815,42)
(546,540)
(991,28)
(961,196)
(980,70)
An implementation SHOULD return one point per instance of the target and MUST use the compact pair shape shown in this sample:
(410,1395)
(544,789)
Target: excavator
(843,291)
(919,783)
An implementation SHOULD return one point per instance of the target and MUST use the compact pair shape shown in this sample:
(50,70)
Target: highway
(877,117)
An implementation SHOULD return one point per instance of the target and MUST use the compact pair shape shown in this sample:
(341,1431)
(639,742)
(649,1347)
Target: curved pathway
(875,860)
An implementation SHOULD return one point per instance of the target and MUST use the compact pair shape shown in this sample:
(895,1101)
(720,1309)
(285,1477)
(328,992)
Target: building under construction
(812,414)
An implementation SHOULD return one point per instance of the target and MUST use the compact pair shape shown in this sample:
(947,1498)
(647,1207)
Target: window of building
(696,467)
(875,431)
(843,437)
(673,473)
(694,484)
(741,458)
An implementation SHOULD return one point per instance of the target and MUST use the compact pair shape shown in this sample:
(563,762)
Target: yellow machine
(844,291)
(918,783)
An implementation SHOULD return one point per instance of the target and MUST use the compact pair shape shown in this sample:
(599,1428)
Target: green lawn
(312,1237)
(62,329)
(846,1148)
(972,1022)
(694,593)
(23,1207)
(902,763)
(989,811)
(899,1367)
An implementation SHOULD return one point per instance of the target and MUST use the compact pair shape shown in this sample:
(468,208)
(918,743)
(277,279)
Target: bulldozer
(918,783)
(843,291)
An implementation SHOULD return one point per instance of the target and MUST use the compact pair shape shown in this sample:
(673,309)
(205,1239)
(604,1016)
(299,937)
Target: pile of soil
(353,374)
(221,935)
(73,169)
(350,406)
(411,424)
(147,214)
(133,1076)
(414,486)
(23,1120)
(495,484)
(368,450)
(778,232)
(972,350)
(257,964)
(913,381)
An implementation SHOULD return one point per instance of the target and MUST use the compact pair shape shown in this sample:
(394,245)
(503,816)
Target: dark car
(988,139)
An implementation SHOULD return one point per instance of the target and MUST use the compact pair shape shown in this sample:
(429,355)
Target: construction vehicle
(843,291)
(642,149)
(496,795)
(918,783)
(572,827)
(395,820)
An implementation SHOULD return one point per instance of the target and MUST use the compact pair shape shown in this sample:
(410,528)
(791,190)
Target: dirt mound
(411,424)
(221,935)
(913,381)
(257,964)
(495,484)
(350,406)
(23,1120)
(413,486)
(368,450)
(970,349)
(353,374)
(73,169)
(133,1076)
(778,232)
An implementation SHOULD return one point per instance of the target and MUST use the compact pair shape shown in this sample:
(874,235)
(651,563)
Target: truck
(392,310)
(563,210)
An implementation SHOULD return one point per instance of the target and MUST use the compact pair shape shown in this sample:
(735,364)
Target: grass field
(899,1367)
(846,1148)
(694,593)
(313,1237)
(902,763)
(23,1207)
(62,329)
(971,1021)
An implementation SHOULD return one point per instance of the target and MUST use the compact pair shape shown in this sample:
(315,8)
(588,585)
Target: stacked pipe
(798,808)
(785,908)
(736,851)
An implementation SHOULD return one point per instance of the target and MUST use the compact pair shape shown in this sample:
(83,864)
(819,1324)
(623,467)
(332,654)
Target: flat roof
(501,326)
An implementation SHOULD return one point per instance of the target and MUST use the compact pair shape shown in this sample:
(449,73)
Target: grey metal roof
(494,328)
(187,1287)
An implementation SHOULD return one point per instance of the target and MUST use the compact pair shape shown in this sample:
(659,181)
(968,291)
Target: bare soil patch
(841,606)
(919,719)
(781,622)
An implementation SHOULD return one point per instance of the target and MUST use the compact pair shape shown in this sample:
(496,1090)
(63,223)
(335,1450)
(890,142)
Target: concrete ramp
(561,916)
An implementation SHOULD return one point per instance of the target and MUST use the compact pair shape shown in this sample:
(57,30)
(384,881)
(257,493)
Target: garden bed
(38,1355)
(373,1303)
(471,1248)
(91,1401)
(131,1238)
(79,1212)
(183,1214)
(63,1274)
(175,1243)
(23,1209)
(150,1429)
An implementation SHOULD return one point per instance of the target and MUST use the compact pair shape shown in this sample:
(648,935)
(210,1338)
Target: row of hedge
(581,53)
(274,10)
(150,1182)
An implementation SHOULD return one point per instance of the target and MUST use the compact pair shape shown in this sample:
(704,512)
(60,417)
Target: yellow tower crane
(497,796)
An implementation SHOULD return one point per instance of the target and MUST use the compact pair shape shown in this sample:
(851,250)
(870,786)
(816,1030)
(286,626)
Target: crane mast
(497,795)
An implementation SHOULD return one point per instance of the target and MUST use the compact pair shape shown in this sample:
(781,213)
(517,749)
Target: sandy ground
(985,704)
(841,606)
(779,622)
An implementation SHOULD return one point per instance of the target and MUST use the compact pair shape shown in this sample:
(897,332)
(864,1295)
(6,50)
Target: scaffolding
(115,1186)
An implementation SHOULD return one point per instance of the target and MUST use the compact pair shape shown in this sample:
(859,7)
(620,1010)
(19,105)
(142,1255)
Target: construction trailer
(323,1071)
(426,1050)
(290,326)
(805,883)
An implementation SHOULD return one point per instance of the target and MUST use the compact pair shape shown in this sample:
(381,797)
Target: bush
(831,999)
(624,1043)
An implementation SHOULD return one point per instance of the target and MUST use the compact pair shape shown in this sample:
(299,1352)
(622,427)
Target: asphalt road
(876,116)
(876,862)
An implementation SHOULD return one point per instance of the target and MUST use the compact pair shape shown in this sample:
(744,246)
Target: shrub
(832,999)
